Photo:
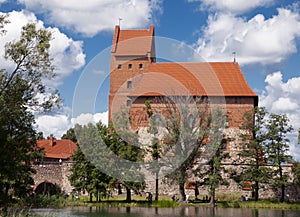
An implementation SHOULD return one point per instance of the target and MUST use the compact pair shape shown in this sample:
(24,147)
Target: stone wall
(55,173)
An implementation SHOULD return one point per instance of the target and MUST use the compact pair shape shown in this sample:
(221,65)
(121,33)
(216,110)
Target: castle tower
(132,53)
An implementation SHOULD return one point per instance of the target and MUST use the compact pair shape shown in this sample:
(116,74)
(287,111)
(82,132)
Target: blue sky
(265,34)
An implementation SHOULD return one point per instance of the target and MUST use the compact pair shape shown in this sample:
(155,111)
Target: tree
(187,121)
(40,135)
(212,173)
(253,138)
(19,89)
(155,148)
(124,143)
(70,134)
(85,175)
(277,148)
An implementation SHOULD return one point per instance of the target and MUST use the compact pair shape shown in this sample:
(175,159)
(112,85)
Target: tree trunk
(128,195)
(282,185)
(256,187)
(282,192)
(91,197)
(119,189)
(212,198)
(182,192)
(156,186)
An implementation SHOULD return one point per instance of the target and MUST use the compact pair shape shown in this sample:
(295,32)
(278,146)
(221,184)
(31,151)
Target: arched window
(128,103)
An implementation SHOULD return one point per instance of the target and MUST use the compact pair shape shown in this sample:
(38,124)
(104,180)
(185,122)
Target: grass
(22,208)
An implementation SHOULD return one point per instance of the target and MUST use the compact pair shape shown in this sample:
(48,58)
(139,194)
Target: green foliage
(213,175)
(186,121)
(277,147)
(265,148)
(19,89)
(70,134)
(85,175)
(253,137)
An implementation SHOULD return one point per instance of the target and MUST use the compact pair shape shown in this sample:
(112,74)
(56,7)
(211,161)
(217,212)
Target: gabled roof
(125,40)
(196,78)
(58,149)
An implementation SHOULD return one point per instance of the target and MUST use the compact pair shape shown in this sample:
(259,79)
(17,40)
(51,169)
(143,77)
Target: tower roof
(133,42)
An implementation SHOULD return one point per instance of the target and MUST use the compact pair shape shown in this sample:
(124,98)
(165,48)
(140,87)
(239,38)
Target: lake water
(165,212)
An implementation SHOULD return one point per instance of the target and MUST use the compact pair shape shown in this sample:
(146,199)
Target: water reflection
(165,212)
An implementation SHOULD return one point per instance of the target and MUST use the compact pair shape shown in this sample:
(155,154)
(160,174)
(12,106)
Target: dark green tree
(70,134)
(124,143)
(40,136)
(253,138)
(277,148)
(19,89)
(216,145)
(85,175)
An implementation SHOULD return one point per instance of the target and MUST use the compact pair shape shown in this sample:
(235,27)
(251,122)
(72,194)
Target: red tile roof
(125,40)
(59,149)
(206,79)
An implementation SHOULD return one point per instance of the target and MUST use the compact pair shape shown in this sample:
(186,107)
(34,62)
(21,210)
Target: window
(119,66)
(224,144)
(128,103)
(130,66)
(191,120)
(129,84)
(140,66)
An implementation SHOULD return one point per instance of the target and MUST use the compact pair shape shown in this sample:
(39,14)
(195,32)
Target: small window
(129,84)
(140,66)
(130,66)
(191,120)
(128,103)
(119,66)
(224,144)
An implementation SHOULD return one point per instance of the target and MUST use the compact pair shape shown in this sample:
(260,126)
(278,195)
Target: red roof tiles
(58,149)
(198,78)
(125,40)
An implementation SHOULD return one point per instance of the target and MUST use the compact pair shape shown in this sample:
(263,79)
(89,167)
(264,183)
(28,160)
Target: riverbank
(22,208)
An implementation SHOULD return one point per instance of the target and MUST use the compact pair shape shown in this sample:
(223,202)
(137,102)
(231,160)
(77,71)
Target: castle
(136,77)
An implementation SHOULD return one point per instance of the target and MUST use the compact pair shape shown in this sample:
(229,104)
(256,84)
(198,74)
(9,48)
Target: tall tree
(277,146)
(212,172)
(85,174)
(253,138)
(125,144)
(187,121)
(155,148)
(19,89)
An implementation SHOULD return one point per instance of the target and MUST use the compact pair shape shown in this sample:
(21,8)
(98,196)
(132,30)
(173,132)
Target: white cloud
(58,124)
(67,53)
(234,6)
(2,1)
(257,40)
(283,98)
(91,16)
(84,119)
(53,124)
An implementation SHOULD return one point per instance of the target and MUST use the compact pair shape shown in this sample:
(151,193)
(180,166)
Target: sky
(264,34)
